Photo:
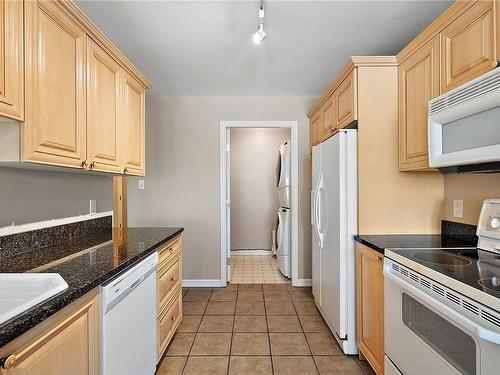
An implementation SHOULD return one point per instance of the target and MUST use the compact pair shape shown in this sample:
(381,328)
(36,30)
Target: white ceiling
(205,47)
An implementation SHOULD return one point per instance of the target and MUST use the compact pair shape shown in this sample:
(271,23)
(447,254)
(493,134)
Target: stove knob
(495,223)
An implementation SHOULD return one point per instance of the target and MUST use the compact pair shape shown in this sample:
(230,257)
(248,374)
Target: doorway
(249,201)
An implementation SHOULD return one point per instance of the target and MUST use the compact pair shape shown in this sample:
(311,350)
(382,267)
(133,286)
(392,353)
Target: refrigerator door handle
(312,207)
(318,210)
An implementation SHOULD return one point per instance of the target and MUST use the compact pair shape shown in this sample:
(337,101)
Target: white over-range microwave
(464,127)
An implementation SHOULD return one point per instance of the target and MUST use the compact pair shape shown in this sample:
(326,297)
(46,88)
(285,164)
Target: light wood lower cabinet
(104,118)
(66,343)
(418,78)
(11,60)
(55,124)
(370,305)
(169,285)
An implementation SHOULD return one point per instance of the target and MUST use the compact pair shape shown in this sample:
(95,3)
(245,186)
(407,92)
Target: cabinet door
(316,128)
(104,123)
(418,83)
(54,128)
(328,114)
(345,97)
(11,60)
(370,305)
(69,346)
(133,112)
(468,46)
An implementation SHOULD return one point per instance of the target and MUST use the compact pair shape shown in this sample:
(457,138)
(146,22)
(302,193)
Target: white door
(228,204)
(316,269)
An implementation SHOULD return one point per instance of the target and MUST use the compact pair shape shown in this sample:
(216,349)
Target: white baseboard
(251,252)
(201,283)
(303,282)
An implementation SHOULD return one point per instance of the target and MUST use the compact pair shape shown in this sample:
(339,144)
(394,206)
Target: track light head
(259,35)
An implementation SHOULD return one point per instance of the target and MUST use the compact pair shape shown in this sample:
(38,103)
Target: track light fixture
(260,34)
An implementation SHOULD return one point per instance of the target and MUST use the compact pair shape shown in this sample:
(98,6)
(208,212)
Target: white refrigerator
(334,220)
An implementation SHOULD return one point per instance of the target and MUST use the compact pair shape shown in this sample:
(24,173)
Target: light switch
(93,207)
(141,185)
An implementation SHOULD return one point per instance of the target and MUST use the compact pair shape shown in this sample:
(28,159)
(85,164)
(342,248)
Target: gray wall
(182,184)
(254,197)
(28,196)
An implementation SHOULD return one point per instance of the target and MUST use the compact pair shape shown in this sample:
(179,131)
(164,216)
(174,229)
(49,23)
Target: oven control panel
(488,227)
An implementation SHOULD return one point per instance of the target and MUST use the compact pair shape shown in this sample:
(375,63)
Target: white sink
(21,291)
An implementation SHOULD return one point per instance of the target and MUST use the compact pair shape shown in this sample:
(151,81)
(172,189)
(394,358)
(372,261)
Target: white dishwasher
(128,321)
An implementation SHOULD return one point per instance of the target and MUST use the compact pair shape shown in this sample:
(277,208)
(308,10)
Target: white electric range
(442,306)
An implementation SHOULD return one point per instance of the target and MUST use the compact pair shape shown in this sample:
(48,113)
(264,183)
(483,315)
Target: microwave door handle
(471,326)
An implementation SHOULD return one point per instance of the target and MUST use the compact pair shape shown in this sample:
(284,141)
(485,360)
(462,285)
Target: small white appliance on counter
(128,321)
(442,306)
(334,209)
(464,131)
(284,222)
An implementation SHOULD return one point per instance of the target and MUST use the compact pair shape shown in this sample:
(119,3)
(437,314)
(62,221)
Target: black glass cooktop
(474,267)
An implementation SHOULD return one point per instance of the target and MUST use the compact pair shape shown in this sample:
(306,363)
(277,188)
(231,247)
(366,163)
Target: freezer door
(338,216)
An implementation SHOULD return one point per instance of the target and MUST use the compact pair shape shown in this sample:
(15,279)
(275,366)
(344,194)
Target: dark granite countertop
(83,269)
(414,241)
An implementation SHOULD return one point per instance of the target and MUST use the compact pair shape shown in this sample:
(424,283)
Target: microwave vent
(474,89)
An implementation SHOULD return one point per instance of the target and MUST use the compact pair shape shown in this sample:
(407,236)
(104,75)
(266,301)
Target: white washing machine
(283,237)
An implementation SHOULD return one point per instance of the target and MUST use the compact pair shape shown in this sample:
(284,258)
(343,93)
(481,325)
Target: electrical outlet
(141,184)
(458,208)
(93,207)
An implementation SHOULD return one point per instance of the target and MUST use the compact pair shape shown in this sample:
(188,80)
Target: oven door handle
(470,325)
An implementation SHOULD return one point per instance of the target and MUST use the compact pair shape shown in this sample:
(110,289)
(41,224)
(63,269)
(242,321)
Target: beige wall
(390,202)
(254,198)
(28,196)
(182,185)
(472,189)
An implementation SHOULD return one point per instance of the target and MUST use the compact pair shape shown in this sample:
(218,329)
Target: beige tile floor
(259,269)
(256,329)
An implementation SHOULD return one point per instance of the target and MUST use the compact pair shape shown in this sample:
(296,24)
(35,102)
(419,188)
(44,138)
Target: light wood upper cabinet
(55,124)
(104,119)
(370,305)
(468,46)
(418,83)
(345,99)
(66,343)
(328,114)
(11,60)
(134,126)
(316,128)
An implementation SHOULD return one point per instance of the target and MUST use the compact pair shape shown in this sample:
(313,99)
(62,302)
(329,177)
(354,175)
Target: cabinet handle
(84,164)
(172,279)
(379,258)
(8,362)
(92,165)
(125,171)
(173,318)
(170,250)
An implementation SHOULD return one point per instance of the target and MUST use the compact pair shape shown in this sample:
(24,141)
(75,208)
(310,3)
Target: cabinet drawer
(168,281)
(168,321)
(169,251)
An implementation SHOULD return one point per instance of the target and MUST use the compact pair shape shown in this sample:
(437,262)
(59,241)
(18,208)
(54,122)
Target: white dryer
(283,174)
(283,237)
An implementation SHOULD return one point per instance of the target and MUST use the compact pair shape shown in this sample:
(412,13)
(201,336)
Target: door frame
(224,183)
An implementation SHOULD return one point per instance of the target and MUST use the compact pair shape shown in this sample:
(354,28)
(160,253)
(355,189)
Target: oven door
(425,336)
